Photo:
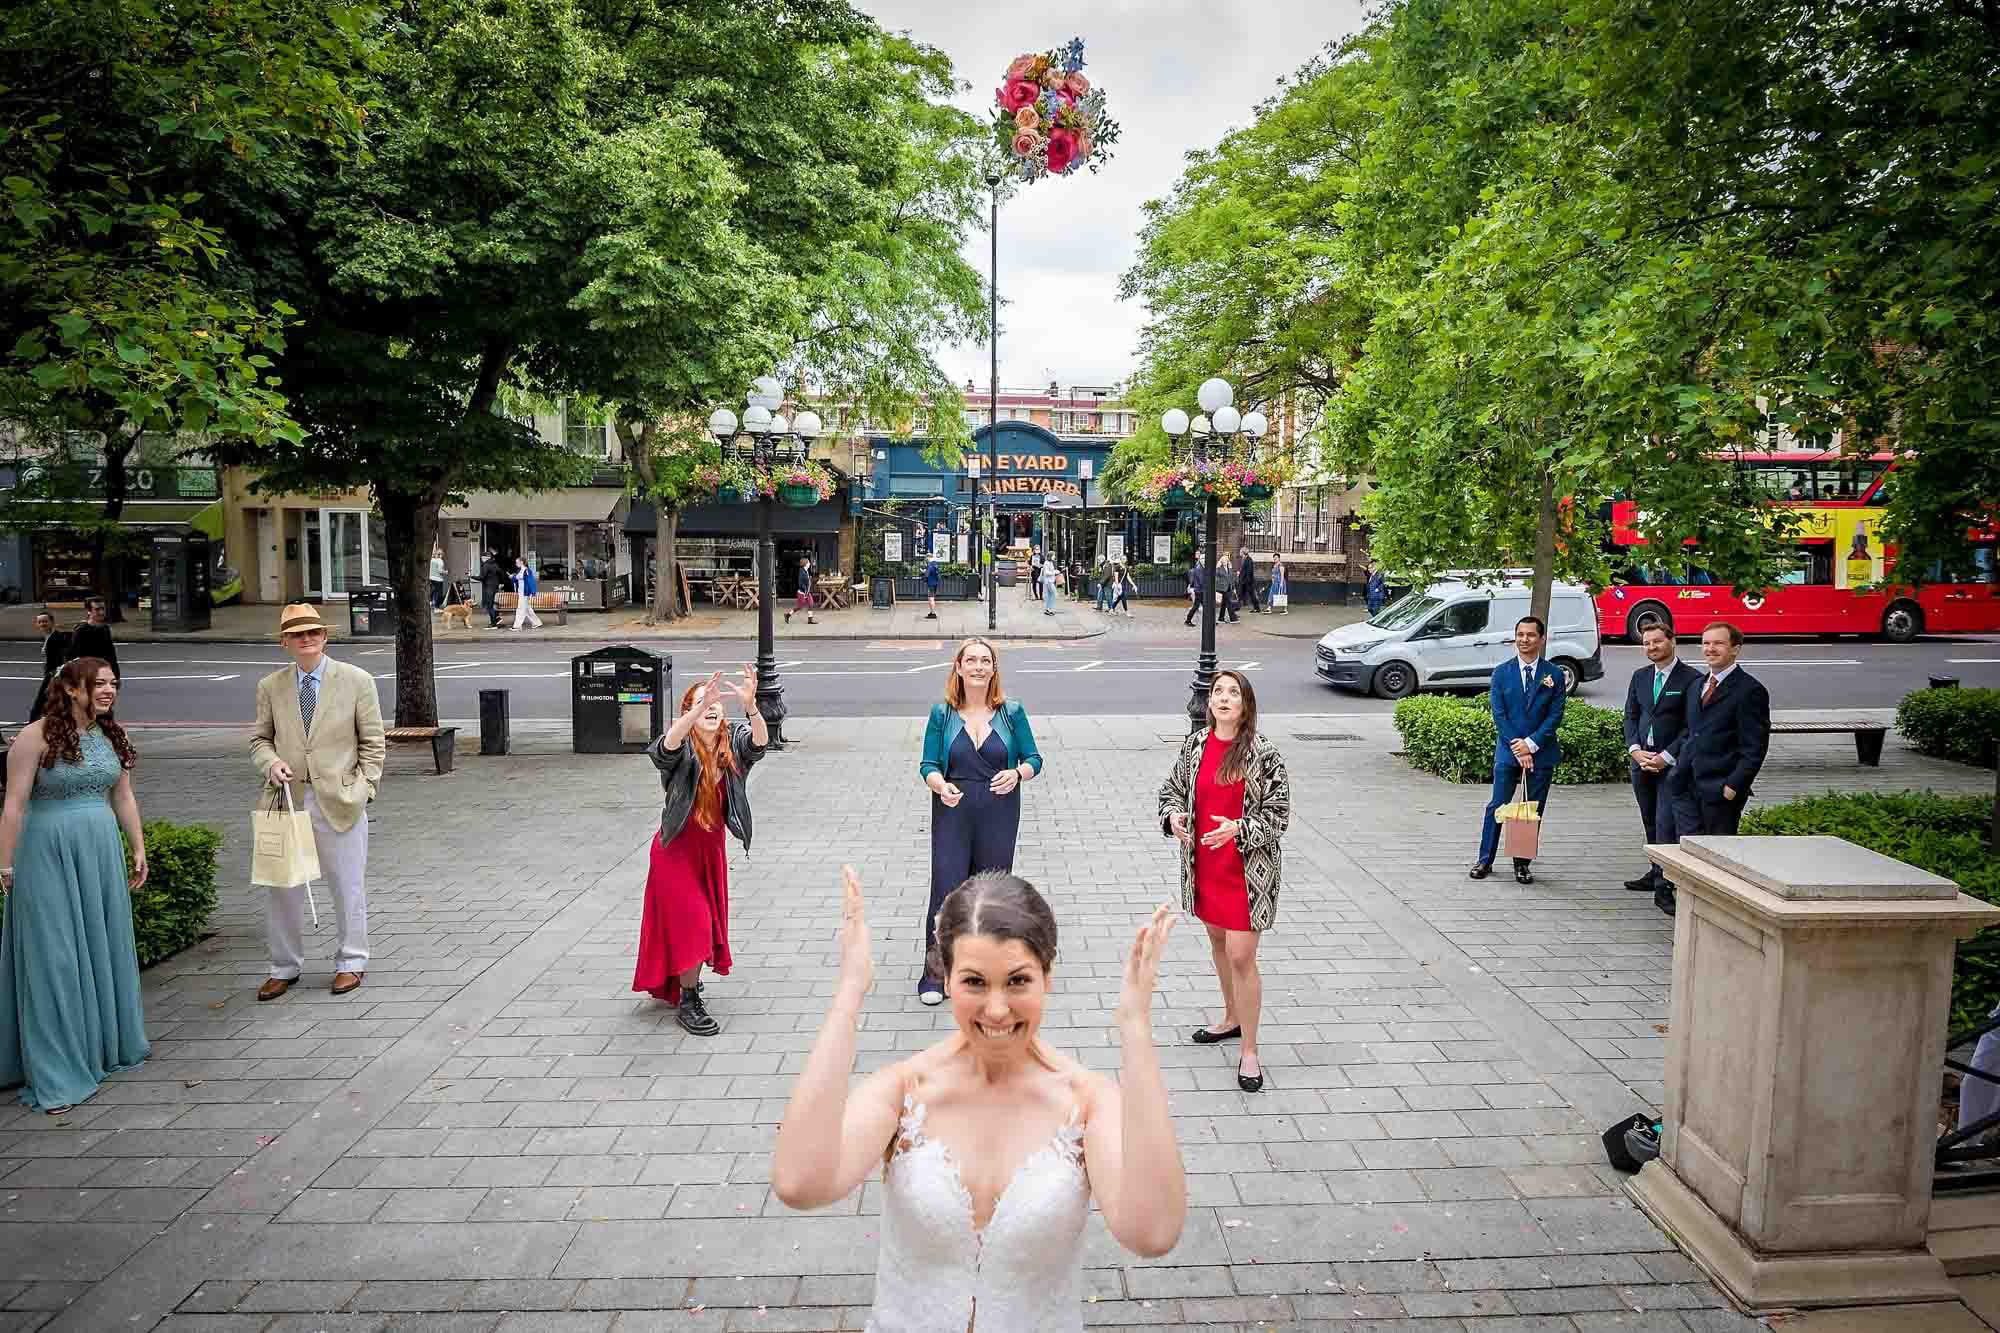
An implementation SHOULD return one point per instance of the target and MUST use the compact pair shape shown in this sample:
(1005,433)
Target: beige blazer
(342,757)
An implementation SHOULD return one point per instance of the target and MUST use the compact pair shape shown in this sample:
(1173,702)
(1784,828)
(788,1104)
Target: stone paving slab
(494,1132)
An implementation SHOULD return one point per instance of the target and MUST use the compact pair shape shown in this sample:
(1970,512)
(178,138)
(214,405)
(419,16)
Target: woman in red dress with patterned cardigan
(1228,802)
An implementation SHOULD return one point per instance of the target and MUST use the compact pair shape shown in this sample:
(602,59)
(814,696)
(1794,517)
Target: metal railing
(1968,1157)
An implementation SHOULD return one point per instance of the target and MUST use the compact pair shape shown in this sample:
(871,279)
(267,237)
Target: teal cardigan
(1011,722)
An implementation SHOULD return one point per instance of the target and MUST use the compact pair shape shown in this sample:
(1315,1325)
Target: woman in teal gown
(69,970)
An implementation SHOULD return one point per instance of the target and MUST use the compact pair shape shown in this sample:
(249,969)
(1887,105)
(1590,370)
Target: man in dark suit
(55,651)
(1655,713)
(1197,587)
(489,588)
(1246,578)
(1715,760)
(1527,697)
(92,638)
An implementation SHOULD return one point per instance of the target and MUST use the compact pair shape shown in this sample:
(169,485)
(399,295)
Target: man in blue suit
(1717,757)
(1655,714)
(1527,698)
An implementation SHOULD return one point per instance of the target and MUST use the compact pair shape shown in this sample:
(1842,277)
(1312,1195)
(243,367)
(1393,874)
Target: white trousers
(343,867)
(524,610)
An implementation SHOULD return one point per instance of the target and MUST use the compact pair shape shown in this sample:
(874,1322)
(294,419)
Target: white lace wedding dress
(1023,1274)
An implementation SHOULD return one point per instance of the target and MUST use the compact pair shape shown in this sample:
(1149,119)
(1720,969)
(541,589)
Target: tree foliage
(1580,248)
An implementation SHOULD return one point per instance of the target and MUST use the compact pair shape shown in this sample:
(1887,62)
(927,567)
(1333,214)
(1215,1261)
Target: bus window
(1811,566)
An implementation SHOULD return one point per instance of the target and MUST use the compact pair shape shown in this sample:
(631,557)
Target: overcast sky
(1178,75)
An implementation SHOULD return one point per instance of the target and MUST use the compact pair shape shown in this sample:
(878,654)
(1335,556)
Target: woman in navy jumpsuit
(978,750)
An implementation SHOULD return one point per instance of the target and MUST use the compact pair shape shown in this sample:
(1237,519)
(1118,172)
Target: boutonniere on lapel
(1548,682)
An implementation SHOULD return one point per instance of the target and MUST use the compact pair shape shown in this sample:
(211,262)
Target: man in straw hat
(319,730)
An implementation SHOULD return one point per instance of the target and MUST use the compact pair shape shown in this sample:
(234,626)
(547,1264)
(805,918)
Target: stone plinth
(1811,988)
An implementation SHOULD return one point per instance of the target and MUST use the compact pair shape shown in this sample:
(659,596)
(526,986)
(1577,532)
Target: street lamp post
(771,439)
(1218,419)
(992,397)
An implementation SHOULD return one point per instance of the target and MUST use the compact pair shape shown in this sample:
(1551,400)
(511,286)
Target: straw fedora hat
(298,618)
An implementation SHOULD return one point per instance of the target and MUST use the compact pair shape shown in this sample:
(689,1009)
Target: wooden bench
(545,603)
(443,742)
(1867,736)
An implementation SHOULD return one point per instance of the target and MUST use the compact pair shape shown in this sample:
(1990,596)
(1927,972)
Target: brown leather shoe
(344,982)
(275,987)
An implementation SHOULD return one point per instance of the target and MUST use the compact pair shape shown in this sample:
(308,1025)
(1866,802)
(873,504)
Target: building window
(585,432)
(1340,536)
(907,484)
(1298,514)
(548,549)
(1319,514)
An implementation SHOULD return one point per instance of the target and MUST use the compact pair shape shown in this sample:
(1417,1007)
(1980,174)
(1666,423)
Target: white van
(1451,636)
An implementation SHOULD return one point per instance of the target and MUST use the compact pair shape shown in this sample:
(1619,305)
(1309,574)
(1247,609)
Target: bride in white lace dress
(992,1144)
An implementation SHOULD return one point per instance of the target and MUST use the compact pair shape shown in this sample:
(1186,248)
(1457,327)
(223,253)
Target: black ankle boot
(694,1015)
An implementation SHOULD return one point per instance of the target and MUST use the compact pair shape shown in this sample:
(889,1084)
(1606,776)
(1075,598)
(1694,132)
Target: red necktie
(1708,691)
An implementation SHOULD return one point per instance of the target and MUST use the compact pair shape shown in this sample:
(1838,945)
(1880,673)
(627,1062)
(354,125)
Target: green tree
(121,121)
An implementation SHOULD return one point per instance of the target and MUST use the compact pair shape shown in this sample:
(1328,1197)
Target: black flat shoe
(1664,900)
(1643,884)
(1480,870)
(1249,1082)
(1203,1037)
(1523,875)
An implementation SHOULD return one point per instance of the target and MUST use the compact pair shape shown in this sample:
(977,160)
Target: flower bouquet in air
(1047,119)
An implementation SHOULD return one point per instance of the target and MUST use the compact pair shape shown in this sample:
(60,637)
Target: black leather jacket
(679,775)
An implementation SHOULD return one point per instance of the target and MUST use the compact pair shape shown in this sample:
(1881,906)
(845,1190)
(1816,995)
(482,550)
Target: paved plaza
(494,1132)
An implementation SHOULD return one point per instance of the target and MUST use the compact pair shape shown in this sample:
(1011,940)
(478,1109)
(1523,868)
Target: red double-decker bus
(1838,581)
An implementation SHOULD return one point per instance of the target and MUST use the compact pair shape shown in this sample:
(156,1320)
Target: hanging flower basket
(1254,491)
(731,495)
(798,495)
(1179,497)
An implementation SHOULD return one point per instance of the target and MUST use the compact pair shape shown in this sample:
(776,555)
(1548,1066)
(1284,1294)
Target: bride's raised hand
(1142,966)
(857,956)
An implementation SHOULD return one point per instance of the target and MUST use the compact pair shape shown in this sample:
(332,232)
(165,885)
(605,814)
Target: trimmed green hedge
(1454,737)
(171,910)
(1945,835)
(1952,723)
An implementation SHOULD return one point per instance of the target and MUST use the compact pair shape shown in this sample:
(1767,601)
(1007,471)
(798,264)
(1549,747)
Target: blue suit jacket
(1535,715)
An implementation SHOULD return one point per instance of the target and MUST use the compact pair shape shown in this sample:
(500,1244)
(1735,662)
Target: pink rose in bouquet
(1062,150)
(1022,68)
(1076,85)
(1027,118)
(1019,93)
(1024,143)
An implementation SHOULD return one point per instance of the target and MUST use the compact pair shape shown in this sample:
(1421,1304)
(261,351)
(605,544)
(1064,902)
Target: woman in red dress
(703,764)
(1228,802)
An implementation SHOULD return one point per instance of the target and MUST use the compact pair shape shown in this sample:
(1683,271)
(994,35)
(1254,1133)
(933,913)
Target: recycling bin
(618,699)
(495,722)
(371,613)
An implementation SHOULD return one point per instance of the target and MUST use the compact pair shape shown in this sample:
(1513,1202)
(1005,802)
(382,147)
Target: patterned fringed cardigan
(1267,811)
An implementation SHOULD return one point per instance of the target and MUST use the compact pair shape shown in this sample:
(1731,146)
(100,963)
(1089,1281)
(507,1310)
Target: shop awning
(572,504)
(146,514)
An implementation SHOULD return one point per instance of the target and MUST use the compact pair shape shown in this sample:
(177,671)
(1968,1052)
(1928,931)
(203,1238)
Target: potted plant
(802,485)
(730,480)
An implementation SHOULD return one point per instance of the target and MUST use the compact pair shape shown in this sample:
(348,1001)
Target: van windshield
(1405,611)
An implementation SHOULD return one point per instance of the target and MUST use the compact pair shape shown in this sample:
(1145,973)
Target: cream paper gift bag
(283,854)
(1520,829)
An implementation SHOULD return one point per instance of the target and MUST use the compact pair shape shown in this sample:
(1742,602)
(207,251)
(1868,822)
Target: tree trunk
(667,604)
(106,550)
(410,521)
(1545,547)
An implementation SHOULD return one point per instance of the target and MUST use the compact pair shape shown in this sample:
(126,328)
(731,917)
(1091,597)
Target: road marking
(1800,661)
(128,678)
(1971,661)
(1088,665)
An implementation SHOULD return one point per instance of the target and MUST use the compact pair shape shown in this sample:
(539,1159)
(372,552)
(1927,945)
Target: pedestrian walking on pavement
(1197,585)
(525,587)
(92,638)
(803,600)
(1526,695)
(1226,591)
(1246,579)
(1655,713)
(1281,588)
(55,651)
(704,762)
(437,578)
(1121,591)
(990,1114)
(1228,802)
(1378,593)
(1051,584)
(1717,758)
(70,1012)
(931,585)
(978,750)
(319,728)
(489,588)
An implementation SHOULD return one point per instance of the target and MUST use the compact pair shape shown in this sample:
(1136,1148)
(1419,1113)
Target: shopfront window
(594,551)
(548,549)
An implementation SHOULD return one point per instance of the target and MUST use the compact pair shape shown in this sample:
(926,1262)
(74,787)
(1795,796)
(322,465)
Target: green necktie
(1659,679)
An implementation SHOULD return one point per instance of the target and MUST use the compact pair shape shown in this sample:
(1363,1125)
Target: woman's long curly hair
(59,733)
(717,756)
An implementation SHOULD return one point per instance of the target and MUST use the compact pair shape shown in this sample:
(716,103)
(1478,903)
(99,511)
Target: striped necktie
(308,697)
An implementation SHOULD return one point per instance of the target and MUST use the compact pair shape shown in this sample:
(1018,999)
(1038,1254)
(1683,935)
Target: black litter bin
(1944,682)
(618,699)
(371,613)
(495,723)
